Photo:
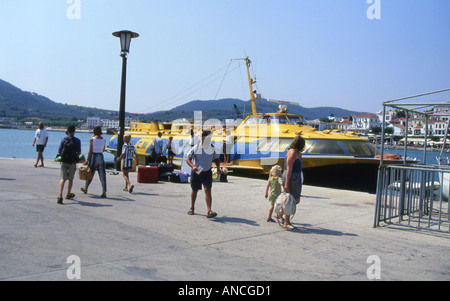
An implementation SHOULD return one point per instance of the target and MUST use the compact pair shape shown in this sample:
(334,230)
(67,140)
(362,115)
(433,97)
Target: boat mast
(253,95)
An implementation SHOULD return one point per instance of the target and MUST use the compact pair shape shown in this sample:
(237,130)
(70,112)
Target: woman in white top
(95,159)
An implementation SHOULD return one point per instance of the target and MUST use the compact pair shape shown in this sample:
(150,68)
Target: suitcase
(179,177)
(165,177)
(147,174)
(164,168)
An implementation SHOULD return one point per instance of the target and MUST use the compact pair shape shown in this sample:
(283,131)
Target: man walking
(69,150)
(40,139)
(200,159)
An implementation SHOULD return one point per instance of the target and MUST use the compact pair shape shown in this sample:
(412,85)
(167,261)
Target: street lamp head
(125,39)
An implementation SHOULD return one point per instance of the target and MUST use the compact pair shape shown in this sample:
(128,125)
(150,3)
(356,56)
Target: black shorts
(204,178)
(40,148)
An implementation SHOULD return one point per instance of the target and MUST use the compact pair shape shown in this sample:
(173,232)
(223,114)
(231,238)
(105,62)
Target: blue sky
(315,52)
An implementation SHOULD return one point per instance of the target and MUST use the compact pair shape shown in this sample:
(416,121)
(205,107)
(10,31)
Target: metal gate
(414,196)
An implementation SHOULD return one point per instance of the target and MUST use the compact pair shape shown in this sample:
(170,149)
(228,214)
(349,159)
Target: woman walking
(95,159)
(292,175)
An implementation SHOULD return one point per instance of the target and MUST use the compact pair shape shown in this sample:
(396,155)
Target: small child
(275,184)
(128,154)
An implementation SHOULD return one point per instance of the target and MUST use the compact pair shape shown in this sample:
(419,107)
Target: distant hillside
(224,108)
(21,104)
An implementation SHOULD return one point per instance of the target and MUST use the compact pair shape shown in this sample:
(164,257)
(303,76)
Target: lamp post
(125,41)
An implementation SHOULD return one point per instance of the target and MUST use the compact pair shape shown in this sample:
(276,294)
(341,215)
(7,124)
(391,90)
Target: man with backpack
(69,150)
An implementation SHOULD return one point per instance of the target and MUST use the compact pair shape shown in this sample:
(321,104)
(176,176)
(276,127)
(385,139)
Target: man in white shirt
(228,145)
(190,143)
(200,159)
(40,139)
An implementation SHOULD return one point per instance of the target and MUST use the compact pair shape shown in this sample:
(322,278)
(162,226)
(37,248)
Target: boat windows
(326,147)
(356,148)
(273,145)
(296,120)
(273,119)
(308,144)
(278,120)
(280,145)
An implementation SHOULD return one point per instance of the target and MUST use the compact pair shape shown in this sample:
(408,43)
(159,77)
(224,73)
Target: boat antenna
(253,94)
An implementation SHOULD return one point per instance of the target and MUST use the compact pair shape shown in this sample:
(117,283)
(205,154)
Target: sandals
(131,189)
(69,196)
(211,214)
(84,190)
(289,227)
(270,220)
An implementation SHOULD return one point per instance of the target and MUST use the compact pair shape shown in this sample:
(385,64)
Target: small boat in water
(332,158)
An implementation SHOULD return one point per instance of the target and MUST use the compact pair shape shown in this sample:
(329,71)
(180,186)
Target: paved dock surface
(148,235)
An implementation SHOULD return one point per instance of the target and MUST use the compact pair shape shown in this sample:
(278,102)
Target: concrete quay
(148,235)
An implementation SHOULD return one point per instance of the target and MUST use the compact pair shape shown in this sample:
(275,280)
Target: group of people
(70,150)
(202,154)
(290,180)
(199,158)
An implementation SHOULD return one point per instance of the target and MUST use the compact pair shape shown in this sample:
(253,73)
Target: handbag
(285,204)
(85,172)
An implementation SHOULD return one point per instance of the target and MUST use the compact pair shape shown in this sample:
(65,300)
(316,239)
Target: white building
(93,121)
(390,114)
(437,128)
(110,124)
(366,122)
(107,123)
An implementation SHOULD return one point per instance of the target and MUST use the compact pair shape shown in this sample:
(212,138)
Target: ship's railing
(414,196)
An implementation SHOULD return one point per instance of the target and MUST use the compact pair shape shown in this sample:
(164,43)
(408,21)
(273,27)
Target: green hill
(22,104)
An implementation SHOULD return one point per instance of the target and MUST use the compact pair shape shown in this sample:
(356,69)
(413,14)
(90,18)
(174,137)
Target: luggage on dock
(165,177)
(147,174)
(179,177)
(164,167)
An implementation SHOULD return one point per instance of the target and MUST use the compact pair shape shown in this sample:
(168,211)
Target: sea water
(417,154)
(19,144)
